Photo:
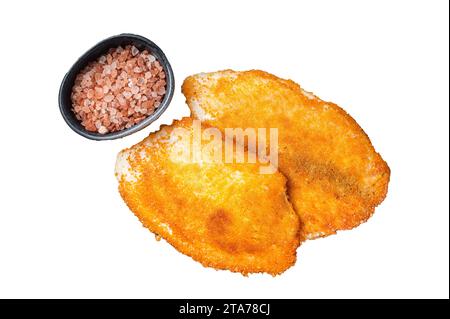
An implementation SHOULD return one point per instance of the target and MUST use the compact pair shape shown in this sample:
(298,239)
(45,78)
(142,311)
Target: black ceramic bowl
(65,103)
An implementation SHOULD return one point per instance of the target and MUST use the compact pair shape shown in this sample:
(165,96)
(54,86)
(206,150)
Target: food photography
(224,159)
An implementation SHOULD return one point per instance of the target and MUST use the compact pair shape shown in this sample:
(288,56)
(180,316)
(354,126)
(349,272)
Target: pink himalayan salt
(118,90)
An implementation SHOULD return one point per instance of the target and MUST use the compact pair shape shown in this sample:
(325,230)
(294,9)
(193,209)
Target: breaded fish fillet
(226,216)
(335,177)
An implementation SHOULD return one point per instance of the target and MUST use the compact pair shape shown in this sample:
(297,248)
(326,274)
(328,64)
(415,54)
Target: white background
(64,230)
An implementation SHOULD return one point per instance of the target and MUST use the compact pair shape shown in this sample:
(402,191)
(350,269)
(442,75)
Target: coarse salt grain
(134,50)
(109,98)
(102,130)
(134,89)
(127,94)
(98,93)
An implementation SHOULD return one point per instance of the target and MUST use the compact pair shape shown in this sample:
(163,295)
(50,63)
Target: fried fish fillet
(226,216)
(335,177)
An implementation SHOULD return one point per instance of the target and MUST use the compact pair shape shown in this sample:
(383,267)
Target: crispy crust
(226,216)
(335,177)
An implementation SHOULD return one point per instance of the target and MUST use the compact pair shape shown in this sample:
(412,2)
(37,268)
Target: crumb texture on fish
(226,216)
(335,177)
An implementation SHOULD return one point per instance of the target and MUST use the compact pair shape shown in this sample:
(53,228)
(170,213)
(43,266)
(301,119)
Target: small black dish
(65,103)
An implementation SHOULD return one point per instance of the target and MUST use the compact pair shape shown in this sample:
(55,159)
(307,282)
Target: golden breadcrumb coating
(226,216)
(335,177)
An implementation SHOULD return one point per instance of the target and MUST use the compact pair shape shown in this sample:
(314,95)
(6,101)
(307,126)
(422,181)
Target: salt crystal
(121,100)
(141,81)
(148,75)
(134,50)
(157,104)
(87,102)
(134,89)
(137,120)
(114,87)
(151,58)
(106,121)
(154,94)
(102,59)
(109,98)
(102,130)
(154,71)
(161,91)
(130,64)
(137,96)
(127,94)
(123,56)
(120,83)
(98,92)
(137,70)
(89,126)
